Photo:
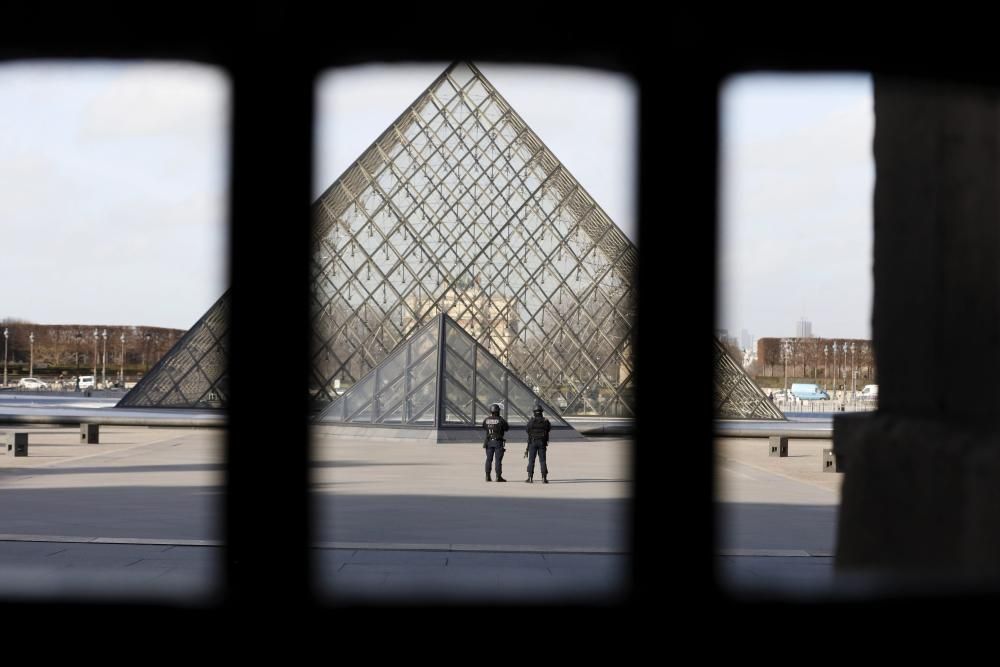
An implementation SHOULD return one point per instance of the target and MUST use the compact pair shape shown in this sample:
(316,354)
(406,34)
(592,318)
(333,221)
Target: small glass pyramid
(440,377)
(193,373)
(737,396)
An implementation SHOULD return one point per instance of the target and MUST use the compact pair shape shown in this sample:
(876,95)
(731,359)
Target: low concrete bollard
(778,445)
(16,443)
(89,434)
(830,463)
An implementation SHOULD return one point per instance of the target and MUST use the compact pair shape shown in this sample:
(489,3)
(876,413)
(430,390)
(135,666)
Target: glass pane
(392,369)
(520,399)
(458,399)
(444,92)
(336,411)
(420,404)
(364,415)
(456,367)
(422,370)
(389,399)
(453,415)
(486,396)
(459,344)
(358,395)
(423,343)
(492,372)
(394,416)
(516,418)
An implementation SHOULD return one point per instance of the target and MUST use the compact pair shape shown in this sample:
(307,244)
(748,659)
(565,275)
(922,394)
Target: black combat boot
(545,478)
(530,475)
(500,479)
(488,478)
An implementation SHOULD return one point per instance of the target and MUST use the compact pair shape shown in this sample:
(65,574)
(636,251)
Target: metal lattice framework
(193,373)
(440,377)
(459,208)
(737,396)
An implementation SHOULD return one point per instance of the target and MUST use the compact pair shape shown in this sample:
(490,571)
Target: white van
(86,382)
(809,392)
(869,393)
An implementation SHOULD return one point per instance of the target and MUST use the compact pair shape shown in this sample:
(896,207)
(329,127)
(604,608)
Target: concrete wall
(921,491)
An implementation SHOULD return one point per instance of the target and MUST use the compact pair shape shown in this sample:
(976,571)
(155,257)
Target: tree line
(72,346)
(814,358)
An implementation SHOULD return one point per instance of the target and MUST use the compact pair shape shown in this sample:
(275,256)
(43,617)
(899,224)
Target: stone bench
(15,443)
(90,434)
(830,462)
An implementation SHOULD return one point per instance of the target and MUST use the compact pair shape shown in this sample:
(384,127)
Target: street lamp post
(835,373)
(845,372)
(854,379)
(145,350)
(5,334)
(95,354)
(826,365)
(31,355)
(121,371)
(784,357)
(104,359)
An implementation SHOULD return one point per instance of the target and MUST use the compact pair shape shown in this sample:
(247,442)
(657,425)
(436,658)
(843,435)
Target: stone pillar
(921,490)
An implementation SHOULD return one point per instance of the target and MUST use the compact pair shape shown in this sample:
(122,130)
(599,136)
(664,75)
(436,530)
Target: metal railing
(794,405)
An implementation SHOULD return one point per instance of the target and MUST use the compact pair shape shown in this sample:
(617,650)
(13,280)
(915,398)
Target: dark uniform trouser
(494,447)
(537,447)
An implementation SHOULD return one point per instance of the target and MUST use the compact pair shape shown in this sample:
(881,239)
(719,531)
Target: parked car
(869,393)
(87,382)
(32,383)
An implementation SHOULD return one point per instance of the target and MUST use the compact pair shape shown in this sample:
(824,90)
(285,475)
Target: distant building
(804,329)
(746,340)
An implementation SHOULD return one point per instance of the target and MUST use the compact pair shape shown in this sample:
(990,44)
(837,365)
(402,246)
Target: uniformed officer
(495,426)
(538,440)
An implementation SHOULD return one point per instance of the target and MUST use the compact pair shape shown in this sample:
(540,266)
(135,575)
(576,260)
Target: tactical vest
(494,428)
(538,429)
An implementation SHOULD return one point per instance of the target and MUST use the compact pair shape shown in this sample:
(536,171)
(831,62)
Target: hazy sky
(113,184)
(797,178)
(114,176)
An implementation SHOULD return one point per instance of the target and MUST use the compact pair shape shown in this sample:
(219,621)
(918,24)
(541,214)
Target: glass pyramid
(440,377)
(737,396)
(193,373)
(458,208)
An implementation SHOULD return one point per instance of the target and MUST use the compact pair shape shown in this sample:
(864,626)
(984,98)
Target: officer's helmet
(538,409)
(494,409)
